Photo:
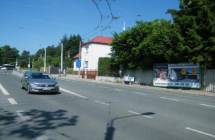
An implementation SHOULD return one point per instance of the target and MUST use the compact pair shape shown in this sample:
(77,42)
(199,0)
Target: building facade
(90,53)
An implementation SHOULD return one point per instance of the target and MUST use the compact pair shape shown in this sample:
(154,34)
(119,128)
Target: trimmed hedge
(104,66)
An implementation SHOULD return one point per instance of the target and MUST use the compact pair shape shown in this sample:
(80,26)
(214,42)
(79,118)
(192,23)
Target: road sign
(78,63)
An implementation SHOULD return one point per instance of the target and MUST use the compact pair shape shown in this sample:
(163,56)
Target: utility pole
(79,72)
(44,60)
(124,26)
(61,62)
(29,62)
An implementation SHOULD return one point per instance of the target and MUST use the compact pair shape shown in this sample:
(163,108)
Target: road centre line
(136,113)
(139,93)
(211,106)
(101,102)
(12,101)
(4,91)
(20,114)
(44,137)
(170,99)
(73,93)
(200,132)
(118,90)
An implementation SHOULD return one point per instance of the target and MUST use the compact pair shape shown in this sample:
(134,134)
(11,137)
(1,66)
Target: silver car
(39,82)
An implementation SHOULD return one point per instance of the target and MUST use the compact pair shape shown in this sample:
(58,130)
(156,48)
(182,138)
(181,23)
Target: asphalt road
(92,111)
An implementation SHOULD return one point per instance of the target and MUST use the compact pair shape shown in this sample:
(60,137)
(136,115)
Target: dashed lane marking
(3,90)
(211,106)
(140,93)
(12,101)
(44,137)
(200,132)
(136,113)
(101,102)
(118,90)
(170,99)
(73,93)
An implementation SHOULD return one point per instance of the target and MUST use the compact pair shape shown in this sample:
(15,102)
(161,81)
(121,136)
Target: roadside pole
(61,62)
(79,71)
(44,60)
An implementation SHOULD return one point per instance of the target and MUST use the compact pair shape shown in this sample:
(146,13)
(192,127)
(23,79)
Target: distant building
(91,51)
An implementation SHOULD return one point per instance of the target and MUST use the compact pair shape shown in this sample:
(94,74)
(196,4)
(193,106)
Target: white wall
(95,51)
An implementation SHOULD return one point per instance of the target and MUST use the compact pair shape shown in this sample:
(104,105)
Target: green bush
(104,66)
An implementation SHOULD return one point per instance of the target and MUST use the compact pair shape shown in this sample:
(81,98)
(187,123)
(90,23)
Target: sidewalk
(173,90)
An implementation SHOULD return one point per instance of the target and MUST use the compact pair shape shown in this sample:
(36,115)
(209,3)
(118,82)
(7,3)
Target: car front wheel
(29,89)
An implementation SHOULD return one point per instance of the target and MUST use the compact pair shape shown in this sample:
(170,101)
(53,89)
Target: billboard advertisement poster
(177,75)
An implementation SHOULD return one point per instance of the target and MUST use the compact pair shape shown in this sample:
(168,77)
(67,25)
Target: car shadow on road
(34,123)
(110,129)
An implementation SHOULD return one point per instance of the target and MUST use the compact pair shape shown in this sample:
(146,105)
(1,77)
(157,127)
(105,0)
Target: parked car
(3,68)
(39,82)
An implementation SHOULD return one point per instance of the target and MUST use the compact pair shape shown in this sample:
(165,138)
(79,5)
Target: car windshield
(39,76)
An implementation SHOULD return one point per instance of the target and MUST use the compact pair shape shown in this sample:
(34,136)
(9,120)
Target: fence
(89,74)
(144,77)
(209,80)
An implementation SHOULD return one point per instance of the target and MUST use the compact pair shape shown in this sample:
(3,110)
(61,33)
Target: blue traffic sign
(78,63)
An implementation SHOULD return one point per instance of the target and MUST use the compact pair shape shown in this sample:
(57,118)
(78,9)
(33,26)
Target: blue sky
(33,24)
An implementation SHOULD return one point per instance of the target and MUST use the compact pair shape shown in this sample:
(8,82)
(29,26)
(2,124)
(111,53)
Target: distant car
(39,82)
(3,68)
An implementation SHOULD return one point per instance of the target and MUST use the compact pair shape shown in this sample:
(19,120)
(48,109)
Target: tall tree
(71,45)
(24,59)
(8,54)
(147,43)
(195,21)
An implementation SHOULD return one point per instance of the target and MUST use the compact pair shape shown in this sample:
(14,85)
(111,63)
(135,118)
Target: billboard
(177,75)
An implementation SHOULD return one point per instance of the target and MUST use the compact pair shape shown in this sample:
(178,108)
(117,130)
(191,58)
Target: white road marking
(73,93)
(101,102)
(20,114)
(4,91)
(12,101)
(42,138)
(136,113)
(118,90)
(200,132)
(211,106)
(140,93)
(170,99)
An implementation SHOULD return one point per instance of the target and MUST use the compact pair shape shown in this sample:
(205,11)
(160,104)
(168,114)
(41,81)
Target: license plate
(46,88)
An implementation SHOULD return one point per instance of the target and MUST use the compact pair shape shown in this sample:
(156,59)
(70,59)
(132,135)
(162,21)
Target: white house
(91,51)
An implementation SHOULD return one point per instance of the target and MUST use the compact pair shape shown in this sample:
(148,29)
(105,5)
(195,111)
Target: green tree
(71,45)
(8,55)
(195,20)
(147,43)
(24,59)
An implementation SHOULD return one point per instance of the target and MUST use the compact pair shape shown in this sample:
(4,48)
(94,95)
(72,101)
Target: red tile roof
(102,39)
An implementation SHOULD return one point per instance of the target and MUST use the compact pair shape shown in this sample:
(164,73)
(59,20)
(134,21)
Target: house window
(86,64)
